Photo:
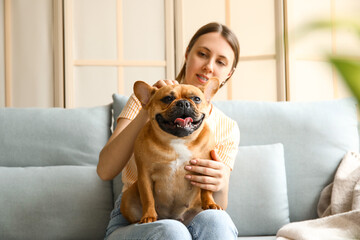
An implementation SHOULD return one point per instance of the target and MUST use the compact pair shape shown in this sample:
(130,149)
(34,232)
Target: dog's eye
(196,99)
(168,99)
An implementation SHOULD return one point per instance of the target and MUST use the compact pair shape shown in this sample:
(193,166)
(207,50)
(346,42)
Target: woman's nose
(209,66)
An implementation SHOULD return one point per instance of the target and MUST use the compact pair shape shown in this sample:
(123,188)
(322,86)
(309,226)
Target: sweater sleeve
(131,109)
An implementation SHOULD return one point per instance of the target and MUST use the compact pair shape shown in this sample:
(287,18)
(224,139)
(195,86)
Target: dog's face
(179,110)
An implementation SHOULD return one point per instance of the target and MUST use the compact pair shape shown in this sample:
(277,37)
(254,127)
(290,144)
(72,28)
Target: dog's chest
(170,174)
(183,154)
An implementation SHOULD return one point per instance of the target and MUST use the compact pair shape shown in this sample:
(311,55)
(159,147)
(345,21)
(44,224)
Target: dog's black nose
(183,104)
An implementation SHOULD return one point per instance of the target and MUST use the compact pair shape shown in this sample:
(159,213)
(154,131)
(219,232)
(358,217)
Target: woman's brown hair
(229,36)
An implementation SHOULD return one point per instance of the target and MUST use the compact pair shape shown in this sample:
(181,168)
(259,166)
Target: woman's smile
(202,78)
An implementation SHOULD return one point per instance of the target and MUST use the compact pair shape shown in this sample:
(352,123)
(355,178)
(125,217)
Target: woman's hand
(213,174)
(162,83)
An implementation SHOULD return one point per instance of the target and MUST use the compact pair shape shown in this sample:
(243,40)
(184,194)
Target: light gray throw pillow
(258,202)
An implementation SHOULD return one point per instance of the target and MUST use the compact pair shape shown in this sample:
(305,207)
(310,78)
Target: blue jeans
(208,224)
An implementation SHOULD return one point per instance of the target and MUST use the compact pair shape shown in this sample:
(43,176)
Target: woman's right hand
(162,83)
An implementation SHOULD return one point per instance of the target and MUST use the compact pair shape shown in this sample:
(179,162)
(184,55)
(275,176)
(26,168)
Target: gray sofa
(49,188)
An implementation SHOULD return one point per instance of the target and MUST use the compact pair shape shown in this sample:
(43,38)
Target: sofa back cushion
(53,136)
(315,136)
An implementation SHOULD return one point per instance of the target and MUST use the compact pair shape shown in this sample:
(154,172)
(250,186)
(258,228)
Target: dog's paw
(148,219)
(211,206)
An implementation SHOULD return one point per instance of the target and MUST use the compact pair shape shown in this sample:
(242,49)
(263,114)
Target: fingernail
(188,176)
(193,161)
(188,167)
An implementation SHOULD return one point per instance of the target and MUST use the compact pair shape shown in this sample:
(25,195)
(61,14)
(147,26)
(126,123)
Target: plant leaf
(349,69)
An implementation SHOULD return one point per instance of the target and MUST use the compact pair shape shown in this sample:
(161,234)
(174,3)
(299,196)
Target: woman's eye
(167,99)
(196,100)
(202,54)
(222,63)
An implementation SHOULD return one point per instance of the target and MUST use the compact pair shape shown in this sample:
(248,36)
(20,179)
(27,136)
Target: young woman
(212,52)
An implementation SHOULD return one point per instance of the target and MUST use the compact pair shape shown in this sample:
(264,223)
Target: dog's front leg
(207,200)
(145,186)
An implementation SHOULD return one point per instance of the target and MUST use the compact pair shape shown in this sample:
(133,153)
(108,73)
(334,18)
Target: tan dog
(176,133)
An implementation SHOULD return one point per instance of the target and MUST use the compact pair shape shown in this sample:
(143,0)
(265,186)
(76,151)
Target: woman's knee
(162,229)
(169,229)
(214,218)
(217,222)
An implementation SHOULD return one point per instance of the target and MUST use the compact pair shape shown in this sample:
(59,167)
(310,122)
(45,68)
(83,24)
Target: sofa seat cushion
(258,202)
(315,135)
(60,202)
(53,136)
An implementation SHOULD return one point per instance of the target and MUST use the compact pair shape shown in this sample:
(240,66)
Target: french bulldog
(176,132)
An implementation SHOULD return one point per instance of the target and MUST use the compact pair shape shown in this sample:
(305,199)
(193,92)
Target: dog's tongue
(183,122)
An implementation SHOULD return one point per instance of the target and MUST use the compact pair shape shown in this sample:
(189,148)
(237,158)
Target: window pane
(146,74)
(94,29)
(250,83)
(94,86)
(254,26)
(144,30)
(311,81)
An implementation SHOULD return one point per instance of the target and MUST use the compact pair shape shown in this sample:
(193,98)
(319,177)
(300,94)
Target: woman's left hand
(210,175)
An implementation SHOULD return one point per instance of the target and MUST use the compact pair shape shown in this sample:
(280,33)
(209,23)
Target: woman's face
(211,56)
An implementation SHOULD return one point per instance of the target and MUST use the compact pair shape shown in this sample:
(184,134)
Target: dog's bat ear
(211,87)
(143,91)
